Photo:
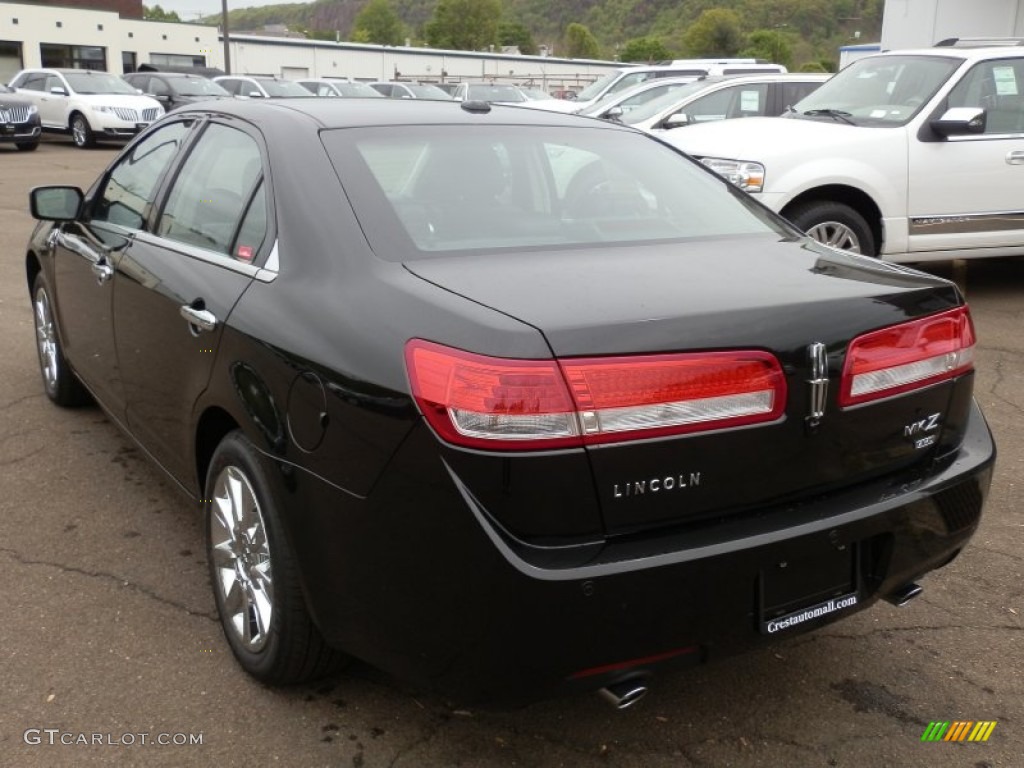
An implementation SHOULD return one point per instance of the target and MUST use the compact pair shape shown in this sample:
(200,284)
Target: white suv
(87,104)
(910,155)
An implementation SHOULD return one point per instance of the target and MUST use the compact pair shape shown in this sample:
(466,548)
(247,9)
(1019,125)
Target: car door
(964,191)
(53,105)
(178,284)
(87,253)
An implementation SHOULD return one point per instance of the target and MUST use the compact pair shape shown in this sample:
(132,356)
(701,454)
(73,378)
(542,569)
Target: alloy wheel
(241,558)
(46,339)
(835,234)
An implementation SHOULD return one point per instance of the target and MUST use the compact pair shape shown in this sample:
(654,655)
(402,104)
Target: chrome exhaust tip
(904,595)
(625,694)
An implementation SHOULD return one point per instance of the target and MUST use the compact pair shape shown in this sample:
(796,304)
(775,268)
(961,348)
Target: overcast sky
(189,10)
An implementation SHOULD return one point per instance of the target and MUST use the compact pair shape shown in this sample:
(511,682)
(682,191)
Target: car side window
(52,81)
(231,86)
(33,83)
(793,92)
(213,190)
(253,231)
(738,101)
(998,88)
(157,87)
(131,186)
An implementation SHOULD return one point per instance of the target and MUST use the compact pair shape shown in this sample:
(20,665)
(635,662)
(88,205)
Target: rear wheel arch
(213,426)
(861,202)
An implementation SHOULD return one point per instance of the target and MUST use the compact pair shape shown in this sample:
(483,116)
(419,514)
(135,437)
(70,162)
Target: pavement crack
(13,403)
(23,457)
(121,581)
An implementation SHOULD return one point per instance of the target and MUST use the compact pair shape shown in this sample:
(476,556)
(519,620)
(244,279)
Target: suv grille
(15,114)
(148,115)
(128,115)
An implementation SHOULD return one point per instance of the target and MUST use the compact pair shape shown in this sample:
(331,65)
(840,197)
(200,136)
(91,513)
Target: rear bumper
(418,580)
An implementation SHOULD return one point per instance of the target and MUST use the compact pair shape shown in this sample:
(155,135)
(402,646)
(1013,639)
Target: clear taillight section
(908,356)
(488,402)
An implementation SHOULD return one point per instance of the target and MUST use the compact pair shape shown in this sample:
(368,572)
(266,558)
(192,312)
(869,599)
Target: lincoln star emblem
(818,382)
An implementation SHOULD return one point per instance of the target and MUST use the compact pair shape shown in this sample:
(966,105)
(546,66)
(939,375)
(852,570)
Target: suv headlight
(745,174)
(105,109)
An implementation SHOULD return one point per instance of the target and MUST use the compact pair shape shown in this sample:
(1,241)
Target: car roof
(980,53)
(329,113)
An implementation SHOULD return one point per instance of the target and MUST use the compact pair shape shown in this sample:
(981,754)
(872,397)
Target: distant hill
(817,27)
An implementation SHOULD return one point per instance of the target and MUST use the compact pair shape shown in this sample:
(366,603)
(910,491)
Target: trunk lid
(746,293)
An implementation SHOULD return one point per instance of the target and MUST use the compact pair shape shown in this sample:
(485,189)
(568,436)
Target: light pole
(224,27)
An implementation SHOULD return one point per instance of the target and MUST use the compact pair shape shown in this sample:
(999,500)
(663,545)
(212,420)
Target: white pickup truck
(909,155)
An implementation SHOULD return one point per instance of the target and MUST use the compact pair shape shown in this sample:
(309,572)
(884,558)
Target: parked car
(615,105)
(538,99)
(334,88)
(492,93)
(448,88)
(89,105)
(410,91)
(908,155)
(630,76)
(260,87)
(19,120)
(452,405)
(175,90)
(722,98)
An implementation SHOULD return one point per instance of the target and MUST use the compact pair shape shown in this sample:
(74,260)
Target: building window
(131,34)
(176,60)
(14,21)
(163,37)
(99,27)
(60,24)
(10,60)
(56,56)
(128,61)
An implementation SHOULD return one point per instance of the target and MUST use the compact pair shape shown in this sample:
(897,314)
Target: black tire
(59,381)
(81,131)
(835,224)
(285,646)
(28,146)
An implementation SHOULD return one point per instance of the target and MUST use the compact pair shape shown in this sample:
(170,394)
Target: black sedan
(501,401)
(19,120)
(176,89)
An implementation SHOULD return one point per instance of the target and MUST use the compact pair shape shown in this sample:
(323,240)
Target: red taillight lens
(908,356)
(527,405)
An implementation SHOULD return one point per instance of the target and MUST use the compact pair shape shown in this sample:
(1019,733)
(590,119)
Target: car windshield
(595,89)
(878,90)
(535,94)
(360,90)
(197,86)
(632,98)
(663,102)
(88,82)
(427,92)
(503,93)
(283,88)
(427,190)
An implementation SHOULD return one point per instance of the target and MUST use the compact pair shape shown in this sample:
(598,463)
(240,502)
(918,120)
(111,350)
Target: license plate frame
(9,129)
(797,591)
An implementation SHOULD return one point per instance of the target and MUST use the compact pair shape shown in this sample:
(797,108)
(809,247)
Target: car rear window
(426,190)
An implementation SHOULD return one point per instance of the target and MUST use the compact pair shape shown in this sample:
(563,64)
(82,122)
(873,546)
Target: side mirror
(56,203)
(960,121)
(58,90)
(677,120)
(254,95)
(615,113)
(138,90)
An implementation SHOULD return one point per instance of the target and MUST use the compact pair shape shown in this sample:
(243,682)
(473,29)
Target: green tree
(717,32)
(514,33)
(464,25)
(771,45)
(378,23)
(156,13)
(644,49)
(580,43)
(813,66)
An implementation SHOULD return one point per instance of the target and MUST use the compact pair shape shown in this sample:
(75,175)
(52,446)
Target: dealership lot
(108,625)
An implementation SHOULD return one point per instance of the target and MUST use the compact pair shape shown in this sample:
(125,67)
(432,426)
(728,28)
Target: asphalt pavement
(108,637)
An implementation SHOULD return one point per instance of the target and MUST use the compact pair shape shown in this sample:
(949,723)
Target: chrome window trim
(265,274)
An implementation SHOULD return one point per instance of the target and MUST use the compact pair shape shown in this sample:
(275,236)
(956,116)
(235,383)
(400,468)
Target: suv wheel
(28,146)
(835,224)
(81,132)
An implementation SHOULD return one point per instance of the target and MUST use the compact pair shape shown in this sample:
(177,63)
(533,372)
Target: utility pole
(224,28)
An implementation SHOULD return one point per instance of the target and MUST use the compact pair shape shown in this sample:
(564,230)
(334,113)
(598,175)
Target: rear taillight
(907,356)
(490,402)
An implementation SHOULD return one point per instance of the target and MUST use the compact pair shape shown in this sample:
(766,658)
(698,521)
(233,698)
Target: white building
(922,23)
(38,35)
